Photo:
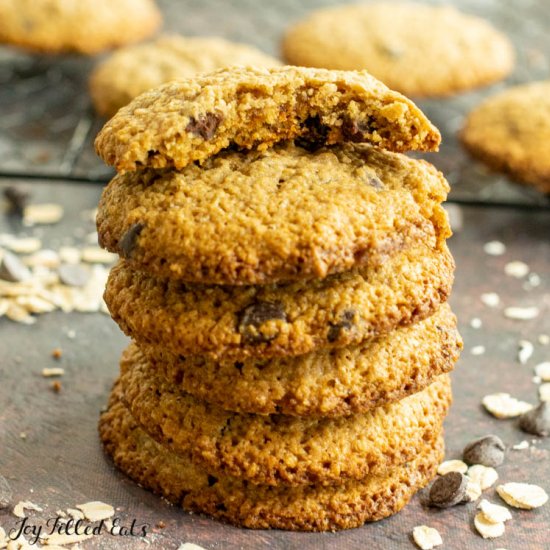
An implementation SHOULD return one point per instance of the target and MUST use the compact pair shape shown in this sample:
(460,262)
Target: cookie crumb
(522,495)
(426,537)
(55,371)
(544,339)
(56,386)
(478,350)
(57,353)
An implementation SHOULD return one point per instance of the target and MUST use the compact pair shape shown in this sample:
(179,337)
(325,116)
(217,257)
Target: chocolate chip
(128,242)
(254,316)
(536,421)
(212,480)
(5,493)
(314,134)
(345,323)
(448,490)
(12,269)
(488,451)
(17,198)
(357,131)
(73,274)
(205,126)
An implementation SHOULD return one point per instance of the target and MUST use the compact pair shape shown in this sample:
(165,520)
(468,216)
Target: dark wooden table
(60,463)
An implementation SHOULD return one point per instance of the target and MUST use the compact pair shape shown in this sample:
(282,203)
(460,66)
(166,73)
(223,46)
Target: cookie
(82,26)
(417,49)
(192,120)
(135,69)
(277,449)
(327,383)
(274,320)
(510,132)
(303,507)
(272,216)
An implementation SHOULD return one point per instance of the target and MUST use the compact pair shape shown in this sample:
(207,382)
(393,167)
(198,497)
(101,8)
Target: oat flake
(96,511)
(485,476)
(452,466)
(494,513)
(486,528)
(522,495)
(503,405)
(426,537)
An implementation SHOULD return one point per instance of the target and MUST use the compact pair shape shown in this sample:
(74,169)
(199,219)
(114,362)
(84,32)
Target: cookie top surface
(327,383)
(511,131)
(276,449)
(135,69)
(301,507)
(417,49)
(191,120)
(83,26)
(275,215)
(276,320)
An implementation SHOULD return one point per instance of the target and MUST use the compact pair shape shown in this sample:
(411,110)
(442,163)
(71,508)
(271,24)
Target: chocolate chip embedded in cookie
(280,449)
(304,507)
(253,108)
(197,319)
(135,69)
(510,132)
(84,26)
(326,383)
(277,215)
(417,49)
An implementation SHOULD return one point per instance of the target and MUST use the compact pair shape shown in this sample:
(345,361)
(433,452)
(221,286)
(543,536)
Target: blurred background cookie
(511,131)
(416,49)
(83,26)
(136,69)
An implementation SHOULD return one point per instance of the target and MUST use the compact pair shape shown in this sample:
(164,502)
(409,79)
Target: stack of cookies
(284,278)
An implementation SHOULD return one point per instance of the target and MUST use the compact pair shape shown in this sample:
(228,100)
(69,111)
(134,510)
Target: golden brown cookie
(304,507)
(83,26)
(274,320)
(275,215)
(511,132)
(192,120)
(327,383)
(277,449)
(133,70)
(417,49)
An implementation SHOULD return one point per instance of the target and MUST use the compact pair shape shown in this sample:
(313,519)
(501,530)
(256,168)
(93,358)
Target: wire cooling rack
(47,125)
